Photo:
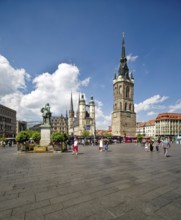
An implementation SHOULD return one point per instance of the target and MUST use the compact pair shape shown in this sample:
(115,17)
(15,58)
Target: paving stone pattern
(126,183)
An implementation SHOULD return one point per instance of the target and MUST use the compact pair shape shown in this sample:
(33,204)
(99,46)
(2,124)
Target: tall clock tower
(123,115)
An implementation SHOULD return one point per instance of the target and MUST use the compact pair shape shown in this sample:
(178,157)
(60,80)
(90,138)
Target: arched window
(125,106)
(127,92)
(130,107)
(120,106)
(116,89)
(120,90)
(115,107)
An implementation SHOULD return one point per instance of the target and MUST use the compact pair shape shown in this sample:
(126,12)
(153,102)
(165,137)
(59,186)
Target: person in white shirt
(147,146)
(75,147)
(166,146)
(101,145)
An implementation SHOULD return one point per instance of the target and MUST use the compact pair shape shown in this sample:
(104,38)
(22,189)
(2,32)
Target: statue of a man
(46,114)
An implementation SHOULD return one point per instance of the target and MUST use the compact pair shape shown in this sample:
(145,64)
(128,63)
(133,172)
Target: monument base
(45,135)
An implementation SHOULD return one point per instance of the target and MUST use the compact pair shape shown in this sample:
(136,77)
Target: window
(125,107)
(127,92)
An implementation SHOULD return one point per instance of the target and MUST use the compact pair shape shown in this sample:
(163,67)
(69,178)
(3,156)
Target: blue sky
(49,48)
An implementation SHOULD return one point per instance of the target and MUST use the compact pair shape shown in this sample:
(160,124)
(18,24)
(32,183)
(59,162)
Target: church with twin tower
(84,119)
(123,115)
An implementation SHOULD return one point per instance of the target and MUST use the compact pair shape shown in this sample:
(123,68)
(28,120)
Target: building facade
(150,128)
(168,124)
(140,128)
(21,126)
(59,123)
(84,118)
(7,122)
(123,115)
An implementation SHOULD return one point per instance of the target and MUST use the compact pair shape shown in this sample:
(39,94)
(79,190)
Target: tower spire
(123,68)
(71,104)
(78,106)
(123,47)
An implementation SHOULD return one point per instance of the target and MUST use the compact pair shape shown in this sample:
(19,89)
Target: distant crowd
(157,144)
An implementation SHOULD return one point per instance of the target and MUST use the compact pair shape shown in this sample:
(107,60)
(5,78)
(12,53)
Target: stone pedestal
(45,135)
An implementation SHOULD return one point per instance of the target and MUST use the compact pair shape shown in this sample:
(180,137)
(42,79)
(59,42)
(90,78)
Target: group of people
(157,144)
(103,145)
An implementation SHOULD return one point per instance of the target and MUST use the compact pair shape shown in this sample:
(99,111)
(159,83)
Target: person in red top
(75,146)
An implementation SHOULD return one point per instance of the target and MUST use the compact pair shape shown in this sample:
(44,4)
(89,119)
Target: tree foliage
(139,137)
(2,138)
(85,133)
(59,137)
(23,136)
(108,135)
(36,136)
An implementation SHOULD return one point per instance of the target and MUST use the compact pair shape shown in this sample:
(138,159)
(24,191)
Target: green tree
(2,138)
(139,137)
(36,136)
(30,133)
(108,135)
(60,139)
(22,136)
(65,137)
(57,137)
(85,133)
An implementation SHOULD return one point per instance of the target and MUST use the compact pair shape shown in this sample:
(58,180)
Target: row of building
(165,124)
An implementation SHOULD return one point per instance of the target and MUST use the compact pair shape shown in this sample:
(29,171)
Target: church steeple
(71,111)
(78,106)
(123,47)
(123,68)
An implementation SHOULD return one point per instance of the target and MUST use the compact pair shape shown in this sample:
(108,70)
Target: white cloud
(11,79)
(176,107)
(102,121)
(151,113)
(85,82)
(131,58)
(150,103)
(54,89)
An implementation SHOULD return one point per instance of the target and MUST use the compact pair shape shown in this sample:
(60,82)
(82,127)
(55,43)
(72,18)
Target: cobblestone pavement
(125,183)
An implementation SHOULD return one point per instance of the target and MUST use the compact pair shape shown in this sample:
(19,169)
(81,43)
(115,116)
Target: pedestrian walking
(69,142)
(151,145)
(166,146)
(101,145)
(158,144)
(147,146)
(75,147)
(106,145)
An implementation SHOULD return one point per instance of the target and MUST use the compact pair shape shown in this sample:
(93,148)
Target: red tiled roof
(150,122)
(168,116)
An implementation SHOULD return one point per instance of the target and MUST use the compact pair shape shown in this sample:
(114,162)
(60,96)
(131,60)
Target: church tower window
(127,92)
